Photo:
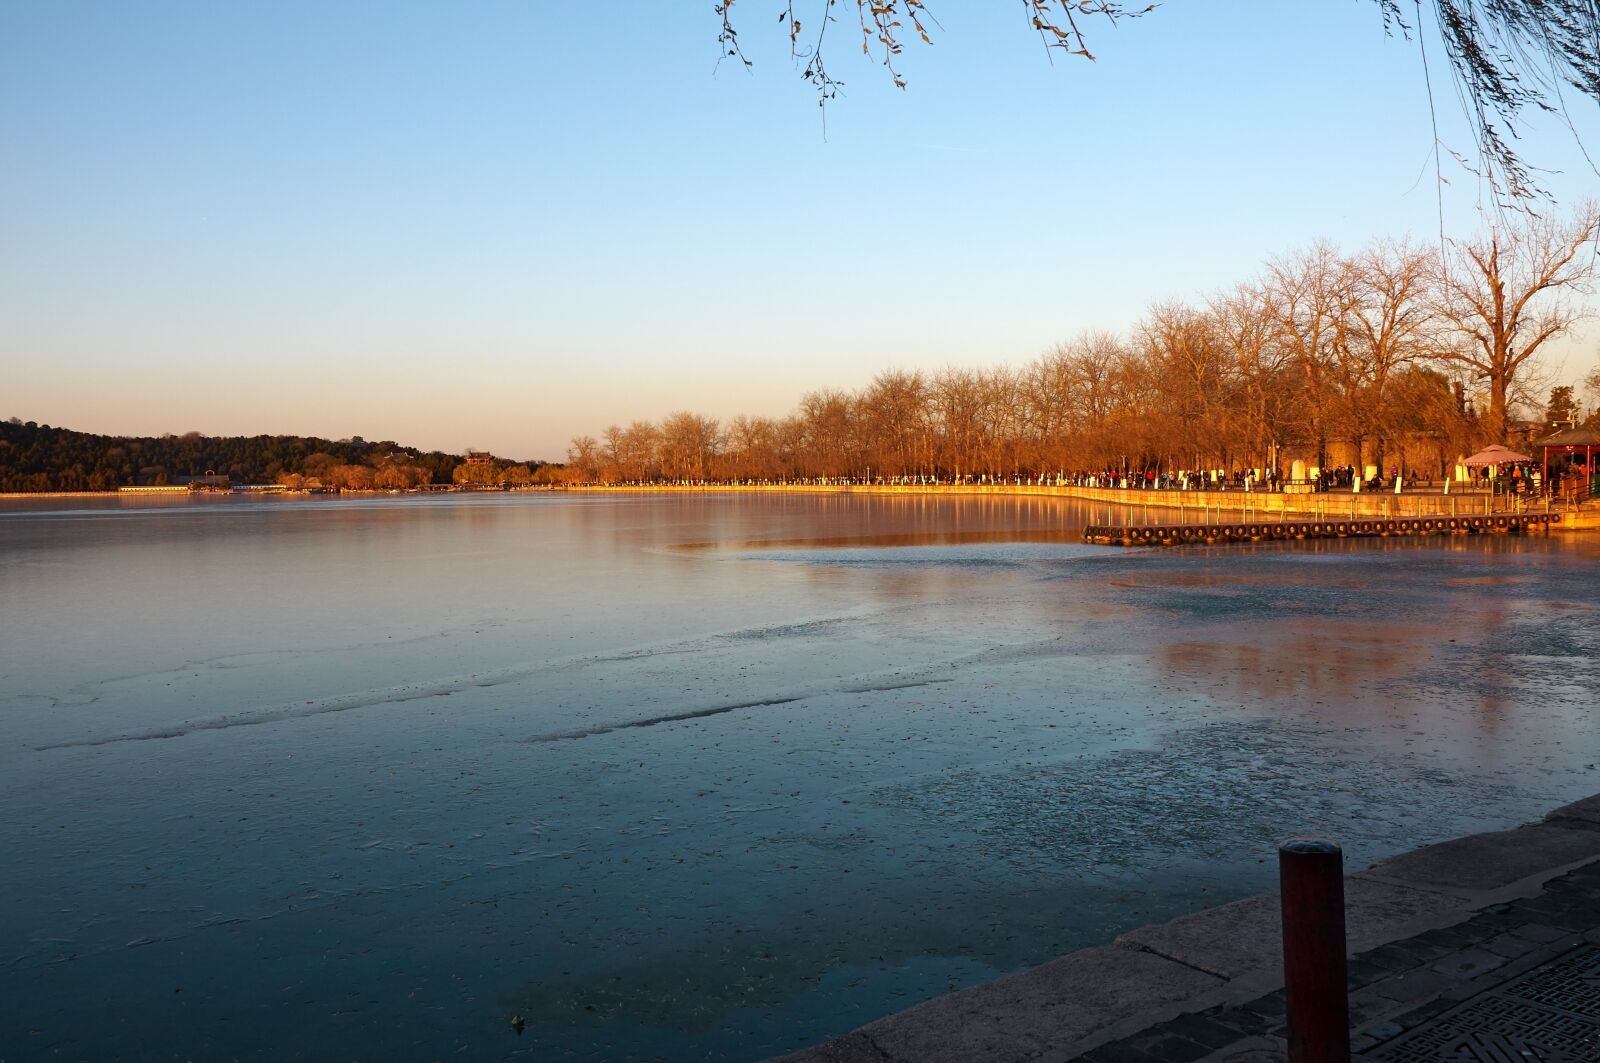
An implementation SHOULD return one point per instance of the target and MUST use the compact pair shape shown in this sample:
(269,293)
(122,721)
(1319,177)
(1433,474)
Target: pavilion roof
(1570,437)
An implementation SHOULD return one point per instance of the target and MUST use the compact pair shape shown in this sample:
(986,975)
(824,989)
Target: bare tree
(893,413)
(1591,387)
(1246,330)
(1191,369)
(689,444)
(1050,404)
(1507,293)
(638,451)
(1306,296)
(958,418)
(828,423)
(1427,413)
(611,452)
(583,455)
(751,448)
(1097,357)
(1389,313)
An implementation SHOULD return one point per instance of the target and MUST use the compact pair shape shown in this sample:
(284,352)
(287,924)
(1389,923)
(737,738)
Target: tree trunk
(1497,408)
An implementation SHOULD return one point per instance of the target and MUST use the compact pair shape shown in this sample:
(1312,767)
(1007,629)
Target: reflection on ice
(879,556)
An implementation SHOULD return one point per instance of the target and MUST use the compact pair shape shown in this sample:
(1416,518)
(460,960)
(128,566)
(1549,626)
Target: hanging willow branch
(1507,55)
(885,24)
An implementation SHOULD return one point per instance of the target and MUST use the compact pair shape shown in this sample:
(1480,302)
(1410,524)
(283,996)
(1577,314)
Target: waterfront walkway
(1517,981)
(1200,507)
(1481,948)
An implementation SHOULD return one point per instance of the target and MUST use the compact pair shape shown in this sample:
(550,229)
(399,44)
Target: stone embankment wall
(1185,506)
(1258,505)
(1144,507)
(57,494)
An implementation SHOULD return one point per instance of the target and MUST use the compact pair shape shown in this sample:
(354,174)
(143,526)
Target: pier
(1364,528)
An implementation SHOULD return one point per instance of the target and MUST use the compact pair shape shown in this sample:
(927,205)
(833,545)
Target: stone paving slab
(1482,862)
(1247,936)
(1585,811)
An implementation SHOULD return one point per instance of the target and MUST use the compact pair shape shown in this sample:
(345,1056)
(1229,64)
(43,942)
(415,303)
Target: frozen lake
(702,777)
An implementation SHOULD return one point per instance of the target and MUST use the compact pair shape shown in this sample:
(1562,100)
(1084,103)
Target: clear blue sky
(501,224)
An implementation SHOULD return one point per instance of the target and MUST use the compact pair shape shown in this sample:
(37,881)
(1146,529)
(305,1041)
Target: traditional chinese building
(1569,452)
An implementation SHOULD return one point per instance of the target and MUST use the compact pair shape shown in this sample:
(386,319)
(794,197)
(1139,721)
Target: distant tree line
(1393,354)
(35,457)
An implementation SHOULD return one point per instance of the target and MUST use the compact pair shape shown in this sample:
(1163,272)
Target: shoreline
(1197,507)
(437,489)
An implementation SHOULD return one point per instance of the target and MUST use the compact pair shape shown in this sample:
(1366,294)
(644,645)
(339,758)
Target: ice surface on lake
(693,777)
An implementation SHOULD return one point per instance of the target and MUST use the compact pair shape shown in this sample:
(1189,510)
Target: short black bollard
(1311,876)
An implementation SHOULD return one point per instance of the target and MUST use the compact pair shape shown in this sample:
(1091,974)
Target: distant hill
(35,457)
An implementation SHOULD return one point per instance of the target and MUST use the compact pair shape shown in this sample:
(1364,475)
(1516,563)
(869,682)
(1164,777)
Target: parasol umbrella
(1495,455)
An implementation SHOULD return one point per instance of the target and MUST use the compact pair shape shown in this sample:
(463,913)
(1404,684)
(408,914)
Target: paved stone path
(1517,981)
(1485,948)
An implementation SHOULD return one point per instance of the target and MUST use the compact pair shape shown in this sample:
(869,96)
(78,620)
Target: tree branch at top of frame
(1507,56)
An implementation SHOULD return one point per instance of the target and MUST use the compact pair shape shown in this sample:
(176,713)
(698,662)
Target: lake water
(702,777)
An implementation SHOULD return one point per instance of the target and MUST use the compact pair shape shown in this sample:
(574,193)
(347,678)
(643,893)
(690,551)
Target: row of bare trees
(1396,353)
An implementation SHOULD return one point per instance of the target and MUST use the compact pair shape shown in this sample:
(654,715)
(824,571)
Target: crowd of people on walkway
(1516,479)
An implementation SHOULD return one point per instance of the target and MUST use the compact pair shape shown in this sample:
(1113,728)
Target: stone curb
(1226,955)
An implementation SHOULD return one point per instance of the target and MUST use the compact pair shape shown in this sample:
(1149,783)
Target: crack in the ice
(652,721)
